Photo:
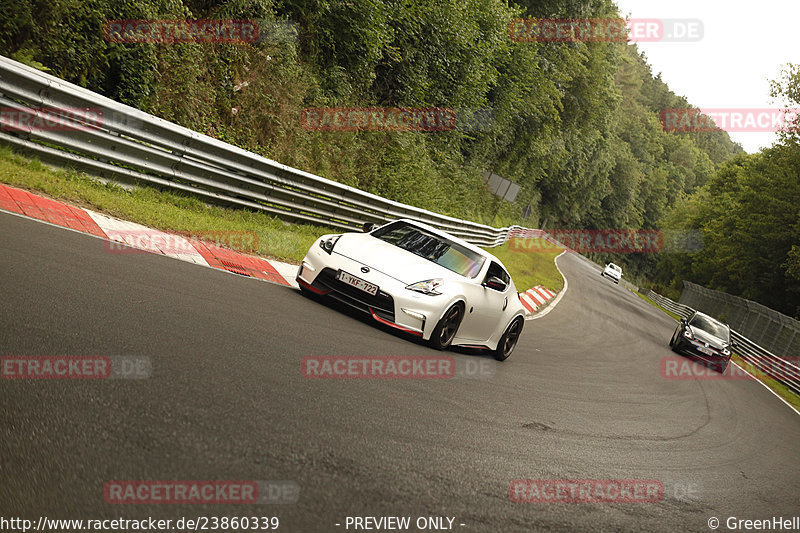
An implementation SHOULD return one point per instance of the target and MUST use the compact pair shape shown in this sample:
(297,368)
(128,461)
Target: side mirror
(734,345)
(683,322)
(495,283)
(367,227)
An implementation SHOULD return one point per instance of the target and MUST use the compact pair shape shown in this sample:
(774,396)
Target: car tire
(445,331)
(673,342)
(508,341)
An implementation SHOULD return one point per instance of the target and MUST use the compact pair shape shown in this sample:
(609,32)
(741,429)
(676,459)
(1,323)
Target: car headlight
(427,287)
(726,351)
(328,244)
(688,334)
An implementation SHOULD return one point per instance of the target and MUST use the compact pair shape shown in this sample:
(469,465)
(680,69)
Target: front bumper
(393,305)
(693,349)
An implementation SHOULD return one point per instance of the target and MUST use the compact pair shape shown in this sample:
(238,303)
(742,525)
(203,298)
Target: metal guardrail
(131,146)
(683,311)
(771,329)
(770,364)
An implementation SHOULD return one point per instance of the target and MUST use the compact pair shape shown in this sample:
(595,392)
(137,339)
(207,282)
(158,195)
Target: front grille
(382,303)
(690,348)
(716,353)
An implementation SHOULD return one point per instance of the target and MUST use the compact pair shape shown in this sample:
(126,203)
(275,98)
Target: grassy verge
(167,211)
(531,262)
(654,304)
(779,388)
(160,210)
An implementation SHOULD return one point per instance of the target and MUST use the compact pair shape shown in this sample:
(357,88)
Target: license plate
(707,351)
(358,283)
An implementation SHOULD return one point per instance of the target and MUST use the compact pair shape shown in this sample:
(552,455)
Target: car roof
(450,237)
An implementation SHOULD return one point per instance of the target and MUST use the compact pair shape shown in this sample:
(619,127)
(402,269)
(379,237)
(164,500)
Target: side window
(498,272)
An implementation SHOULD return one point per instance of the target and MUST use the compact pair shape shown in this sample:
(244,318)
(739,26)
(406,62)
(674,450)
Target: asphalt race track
(581,398)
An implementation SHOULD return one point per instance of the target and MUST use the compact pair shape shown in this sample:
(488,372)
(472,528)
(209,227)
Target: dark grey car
(703,338)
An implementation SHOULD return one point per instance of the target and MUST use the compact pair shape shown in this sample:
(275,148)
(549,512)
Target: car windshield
(713,327)
(443,252)
(615,267)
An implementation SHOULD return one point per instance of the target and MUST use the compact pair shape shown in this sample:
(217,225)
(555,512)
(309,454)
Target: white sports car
(612,271)
(420,280)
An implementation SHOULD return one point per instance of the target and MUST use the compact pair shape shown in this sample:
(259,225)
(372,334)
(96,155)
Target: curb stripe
(534,298)
(527,304)
(110,229)
(537,297)
(38,207)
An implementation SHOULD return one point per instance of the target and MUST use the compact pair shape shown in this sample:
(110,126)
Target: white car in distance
(422,281)
(612,271)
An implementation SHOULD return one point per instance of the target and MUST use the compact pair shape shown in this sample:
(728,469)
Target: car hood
(708,338)
(390,260)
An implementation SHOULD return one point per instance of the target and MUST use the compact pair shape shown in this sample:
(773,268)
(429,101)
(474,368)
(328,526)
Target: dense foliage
(749,215)
(575,124)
